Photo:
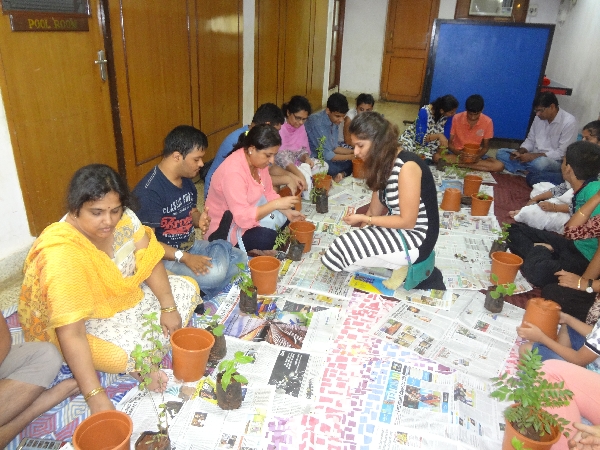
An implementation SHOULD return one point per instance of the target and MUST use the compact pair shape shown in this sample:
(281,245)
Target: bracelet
(94,392)
(168,309)
(579,283)
(579,211)
(370,220)
(554,204)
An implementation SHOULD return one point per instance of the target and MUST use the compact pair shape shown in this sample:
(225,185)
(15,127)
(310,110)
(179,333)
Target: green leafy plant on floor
(320,151)
(148,361)
(502,233)
(213,325)
(502,290)
(282,237)
(228,368)
(452,168)
(243,280)
(532,395)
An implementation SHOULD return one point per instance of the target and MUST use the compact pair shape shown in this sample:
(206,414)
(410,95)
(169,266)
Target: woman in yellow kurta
(89,279)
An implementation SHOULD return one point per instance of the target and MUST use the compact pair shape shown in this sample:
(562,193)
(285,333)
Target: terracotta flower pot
(191,348)
(303,232)
(287,192)
(480,207)
(358,168)
(451,200)
(505,266)
(545,314)
(548,440)
(264,271)
(471,184)
(469,153)
(103,431)
(322,182)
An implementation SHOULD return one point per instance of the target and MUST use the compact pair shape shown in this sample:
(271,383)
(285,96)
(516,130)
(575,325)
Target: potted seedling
(248,299)
(480,204)
(321,179)
(229,381)
(282,238)
(295,249)
(500,243)
(319,197)
(219,350)
(494,299)
(527,419)
(148,361)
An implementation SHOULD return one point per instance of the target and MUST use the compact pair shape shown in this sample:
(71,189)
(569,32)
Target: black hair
(297,103)
(184,139)
(93,182)
(268,113)
(445,104)
(260,137)
(545,99)
(365,99)
(337,103)
(584,159)
(474,103)
(372,126)
(594,128)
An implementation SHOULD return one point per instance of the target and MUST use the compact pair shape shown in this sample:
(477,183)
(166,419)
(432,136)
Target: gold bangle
(168,309)
(579,211)
(94,392)
(579,283)
(370,220)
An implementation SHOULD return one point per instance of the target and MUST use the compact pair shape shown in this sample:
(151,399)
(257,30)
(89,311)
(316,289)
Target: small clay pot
(191,348)
(505,266)
(545,314)
(230,399)
(303,231)
(287,192)
(295,251)
(510,432)
(106,429)
(148,440)
(264,271)
(471,184)
(322,182)
(497,247)
(358,168)
(248,303)
(219,350)
(322,202)
(493,305)
(451,200)
(480,207)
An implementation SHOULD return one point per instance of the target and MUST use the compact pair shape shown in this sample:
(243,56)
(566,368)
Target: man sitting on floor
(26,371)
(552,130)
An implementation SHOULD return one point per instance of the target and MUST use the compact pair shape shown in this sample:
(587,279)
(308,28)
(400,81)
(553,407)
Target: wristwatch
(589,288)
(178,255)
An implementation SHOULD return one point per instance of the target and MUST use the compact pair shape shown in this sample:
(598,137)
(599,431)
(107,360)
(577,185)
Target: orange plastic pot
(471,184)
(303,232)
(264,271)
(451,200)
(480,207)
(548,440)
(469,153)
(358,168)
(191,348)
(505,266)
(106,430)
(545,314)
(322,182)
(287,192)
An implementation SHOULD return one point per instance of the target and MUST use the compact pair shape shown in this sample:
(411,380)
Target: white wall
(547,11)
(573,60)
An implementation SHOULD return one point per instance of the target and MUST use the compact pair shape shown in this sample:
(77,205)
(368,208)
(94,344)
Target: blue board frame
(504,62)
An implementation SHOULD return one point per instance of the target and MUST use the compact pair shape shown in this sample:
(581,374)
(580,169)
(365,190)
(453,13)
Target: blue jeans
(336,167)
(542,165)
(224,258)
(577,342)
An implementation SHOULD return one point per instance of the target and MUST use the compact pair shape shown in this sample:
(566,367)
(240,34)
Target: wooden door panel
(58,111)
(297,56)
(412,70)
(411,28)
(268,63)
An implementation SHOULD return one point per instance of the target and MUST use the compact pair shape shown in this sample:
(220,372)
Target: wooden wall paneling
(318,53)
(297,47)
(519,13)
(220,69)
(268,55)
(58,111)
(152,57)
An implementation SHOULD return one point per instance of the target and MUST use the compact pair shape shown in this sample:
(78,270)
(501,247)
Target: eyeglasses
(300,119)
(539,110)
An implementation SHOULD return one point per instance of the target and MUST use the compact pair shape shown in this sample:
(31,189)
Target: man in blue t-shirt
(168,200)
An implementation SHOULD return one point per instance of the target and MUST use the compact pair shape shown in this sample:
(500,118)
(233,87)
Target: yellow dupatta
(68,279)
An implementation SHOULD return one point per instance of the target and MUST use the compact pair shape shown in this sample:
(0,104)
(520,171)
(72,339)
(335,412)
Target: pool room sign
(47,15)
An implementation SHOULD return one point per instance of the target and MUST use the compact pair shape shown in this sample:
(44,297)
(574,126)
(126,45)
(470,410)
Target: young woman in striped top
(404,201)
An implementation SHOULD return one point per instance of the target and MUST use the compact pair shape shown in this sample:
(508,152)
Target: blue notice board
(504,62)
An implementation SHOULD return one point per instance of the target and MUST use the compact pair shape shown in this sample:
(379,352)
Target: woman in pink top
(242,185)
(294,153)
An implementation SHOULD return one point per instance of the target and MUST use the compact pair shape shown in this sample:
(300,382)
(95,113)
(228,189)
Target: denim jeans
(540,164)
(224,258)
(577,341)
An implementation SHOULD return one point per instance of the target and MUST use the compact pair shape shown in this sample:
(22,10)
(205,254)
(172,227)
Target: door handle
(102,61)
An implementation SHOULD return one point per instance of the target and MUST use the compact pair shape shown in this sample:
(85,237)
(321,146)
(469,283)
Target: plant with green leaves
(228,369)
(483,196)
(532,394)
(213,325)
(518,445)
(243,280)
(502,233)
(502,290)
(282,237)
(148,361)
(314,193)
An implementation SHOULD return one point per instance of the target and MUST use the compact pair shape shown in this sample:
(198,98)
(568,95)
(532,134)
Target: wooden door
(58,111)
(408,33)
(269,42)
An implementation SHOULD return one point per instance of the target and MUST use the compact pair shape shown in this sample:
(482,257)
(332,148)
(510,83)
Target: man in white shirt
(541,154)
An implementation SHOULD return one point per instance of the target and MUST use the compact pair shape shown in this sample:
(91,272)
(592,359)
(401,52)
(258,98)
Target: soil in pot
(480,207)
(303,231)
(264,271)
(219,350)
(493,305)
(106,429)
(505,266)
(545,314)
(248,302)
(451,200)
(191,348)
(295,251)
(150,440)
(232,398)
(497,247)
(471,184)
